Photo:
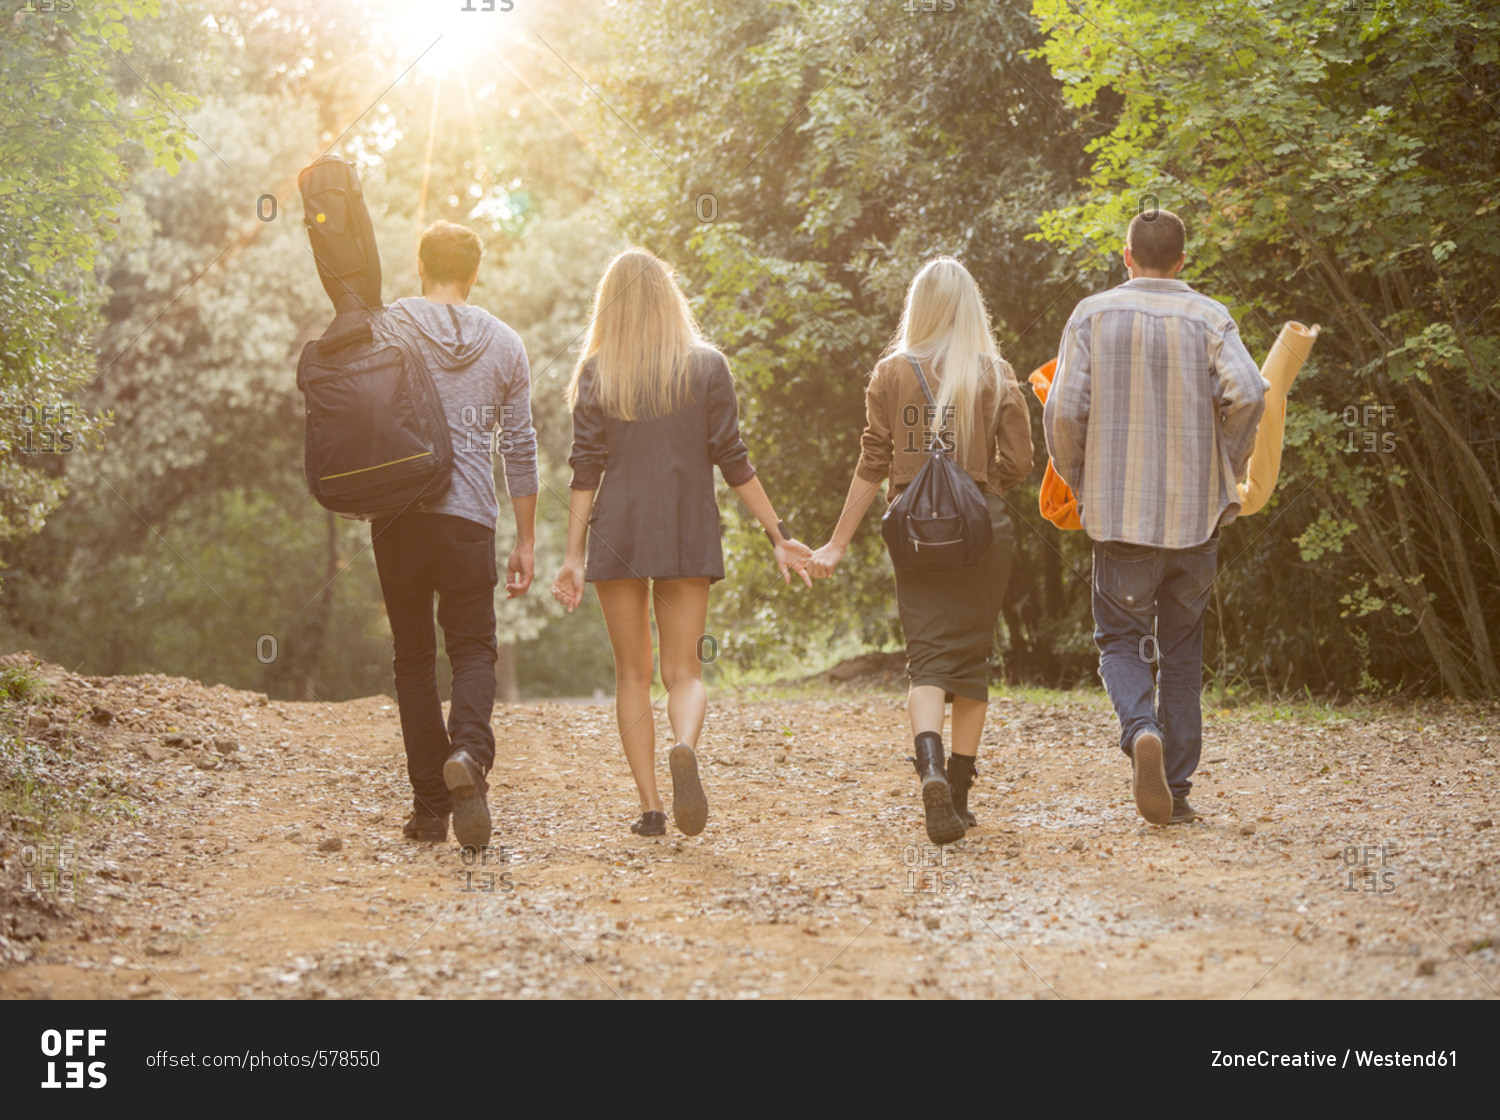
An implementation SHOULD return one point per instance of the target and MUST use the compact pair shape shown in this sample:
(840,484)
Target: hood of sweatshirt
(452,336)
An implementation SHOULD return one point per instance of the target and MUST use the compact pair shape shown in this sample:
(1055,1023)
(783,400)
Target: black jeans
(420,555)
(1148,623)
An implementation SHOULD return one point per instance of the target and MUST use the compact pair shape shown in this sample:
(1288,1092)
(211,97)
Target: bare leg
(681,608)
(925,705)
(625,603)
(968,724)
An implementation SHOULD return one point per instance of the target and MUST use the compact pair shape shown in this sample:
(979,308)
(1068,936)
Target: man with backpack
(444,546)
(1151,419)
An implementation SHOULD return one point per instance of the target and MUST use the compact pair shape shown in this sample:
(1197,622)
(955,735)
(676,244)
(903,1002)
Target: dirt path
(1344,857)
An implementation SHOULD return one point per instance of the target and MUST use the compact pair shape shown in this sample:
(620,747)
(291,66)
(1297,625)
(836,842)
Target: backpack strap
(922,381)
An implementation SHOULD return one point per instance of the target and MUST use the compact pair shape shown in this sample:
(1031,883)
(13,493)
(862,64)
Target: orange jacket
(1056,499)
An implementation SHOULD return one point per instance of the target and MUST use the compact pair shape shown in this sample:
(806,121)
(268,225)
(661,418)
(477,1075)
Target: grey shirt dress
(655,514)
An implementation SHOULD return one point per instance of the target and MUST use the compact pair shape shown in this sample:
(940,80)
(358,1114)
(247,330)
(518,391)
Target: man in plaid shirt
(1151,420)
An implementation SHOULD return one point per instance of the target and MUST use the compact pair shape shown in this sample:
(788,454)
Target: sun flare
(450,37)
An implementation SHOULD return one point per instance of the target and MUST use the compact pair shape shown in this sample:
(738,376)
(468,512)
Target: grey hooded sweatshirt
(480,369)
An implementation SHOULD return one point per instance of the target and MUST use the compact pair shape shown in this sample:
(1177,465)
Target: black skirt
(948,616)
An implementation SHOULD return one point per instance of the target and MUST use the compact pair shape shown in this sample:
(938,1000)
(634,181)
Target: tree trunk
(507,690)
(317,630)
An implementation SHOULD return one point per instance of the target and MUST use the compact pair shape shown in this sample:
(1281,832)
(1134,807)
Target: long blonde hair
(945,326)
(641,337)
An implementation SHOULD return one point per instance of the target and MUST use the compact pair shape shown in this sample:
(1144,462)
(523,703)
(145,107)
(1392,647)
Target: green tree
(799,163)
(77,122)
(1337,163)
(190,544)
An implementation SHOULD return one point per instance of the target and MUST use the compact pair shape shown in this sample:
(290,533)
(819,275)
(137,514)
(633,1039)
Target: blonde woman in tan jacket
(947,616)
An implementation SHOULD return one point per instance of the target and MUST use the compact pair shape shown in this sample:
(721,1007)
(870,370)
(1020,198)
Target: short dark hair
(1156,239)
(449,253)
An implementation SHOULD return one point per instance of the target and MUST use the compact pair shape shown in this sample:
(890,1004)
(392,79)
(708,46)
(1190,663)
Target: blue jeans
(1148,624)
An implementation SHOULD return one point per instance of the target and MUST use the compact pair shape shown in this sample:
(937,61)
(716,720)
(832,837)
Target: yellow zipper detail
(376,467)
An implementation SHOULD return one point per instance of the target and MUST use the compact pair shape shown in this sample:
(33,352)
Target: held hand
(518,571)
(791,556)
(567,588)
(822,562)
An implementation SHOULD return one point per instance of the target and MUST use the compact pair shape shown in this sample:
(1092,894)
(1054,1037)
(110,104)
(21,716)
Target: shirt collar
(1154,284)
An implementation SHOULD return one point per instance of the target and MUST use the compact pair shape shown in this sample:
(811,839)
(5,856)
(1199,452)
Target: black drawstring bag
(941,520)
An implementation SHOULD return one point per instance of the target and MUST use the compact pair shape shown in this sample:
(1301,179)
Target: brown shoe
(1182,812)
(428,827)
(1153,797)
(652,823)
(689,805)
(471,813)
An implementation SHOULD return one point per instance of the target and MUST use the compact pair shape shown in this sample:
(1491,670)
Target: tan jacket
(900,433)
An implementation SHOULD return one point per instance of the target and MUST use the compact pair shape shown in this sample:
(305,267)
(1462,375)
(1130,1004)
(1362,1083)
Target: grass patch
(776,688)
(1051,697)
(771,687)
(45,795)
(20,685)
(34,803)
(749,690)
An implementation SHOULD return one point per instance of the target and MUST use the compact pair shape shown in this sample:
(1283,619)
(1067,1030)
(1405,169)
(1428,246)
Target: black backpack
(377,434)
(941,520)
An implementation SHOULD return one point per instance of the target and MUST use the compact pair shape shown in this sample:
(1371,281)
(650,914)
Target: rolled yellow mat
(1283,363)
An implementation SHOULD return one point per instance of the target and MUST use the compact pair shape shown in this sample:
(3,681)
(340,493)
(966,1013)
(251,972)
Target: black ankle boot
(961,772)
(943,824)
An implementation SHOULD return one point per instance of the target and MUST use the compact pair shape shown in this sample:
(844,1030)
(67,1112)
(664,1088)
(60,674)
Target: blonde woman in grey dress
(654,411)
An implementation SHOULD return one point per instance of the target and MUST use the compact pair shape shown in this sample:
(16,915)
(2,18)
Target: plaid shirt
(1152,413)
